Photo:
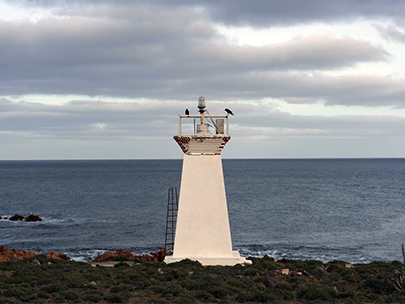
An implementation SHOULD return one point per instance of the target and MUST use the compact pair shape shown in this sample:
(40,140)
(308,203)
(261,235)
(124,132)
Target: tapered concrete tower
(203,231)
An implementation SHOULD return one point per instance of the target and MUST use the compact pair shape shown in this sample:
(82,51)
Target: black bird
(187,112)
(228,111)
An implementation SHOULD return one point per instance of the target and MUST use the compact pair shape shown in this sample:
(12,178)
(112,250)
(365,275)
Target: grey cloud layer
(264,13)
(159,54)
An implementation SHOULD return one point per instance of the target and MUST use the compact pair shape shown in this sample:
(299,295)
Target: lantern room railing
(209,118)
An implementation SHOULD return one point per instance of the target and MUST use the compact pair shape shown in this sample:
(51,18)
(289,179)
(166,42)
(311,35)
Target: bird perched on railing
(187,112)
(228,111)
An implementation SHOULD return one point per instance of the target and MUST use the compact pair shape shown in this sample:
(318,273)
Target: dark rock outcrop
(33,218)
(14,254)
(126,254)
(16,217)
(284,261)
(160,255)
(53,255)
(113,256)
(268,258)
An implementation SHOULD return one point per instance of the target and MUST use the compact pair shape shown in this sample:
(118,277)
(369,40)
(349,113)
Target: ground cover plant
(40,280)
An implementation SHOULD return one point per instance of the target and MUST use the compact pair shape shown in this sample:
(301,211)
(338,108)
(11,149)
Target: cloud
(156,54)
(84,119)
(258,13)
(392,32)
(348,90)
(263,13)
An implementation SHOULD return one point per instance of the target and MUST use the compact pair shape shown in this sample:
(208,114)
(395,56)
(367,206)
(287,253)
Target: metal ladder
(171,219)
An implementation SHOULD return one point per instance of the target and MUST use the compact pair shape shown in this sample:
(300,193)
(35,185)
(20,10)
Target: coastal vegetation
(42,280)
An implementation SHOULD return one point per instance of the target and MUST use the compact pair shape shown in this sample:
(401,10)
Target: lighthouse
(202,231)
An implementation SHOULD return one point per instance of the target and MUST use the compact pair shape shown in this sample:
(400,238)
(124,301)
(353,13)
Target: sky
(108,79)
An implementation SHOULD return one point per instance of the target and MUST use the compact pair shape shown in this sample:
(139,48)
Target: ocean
(324,209)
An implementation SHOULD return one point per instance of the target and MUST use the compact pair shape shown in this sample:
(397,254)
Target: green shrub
(122,287)
(186,297)
(70,295)
(204,295)
(255,295)
(16,291)
(222,290)
(51,288)
(92,296)
(374,285)
(115,298)
(43,294)
(312,292)
(186,263)
(174,291)
(9,300)
(156,289)
(305,265)
(251,271)
(194,283)
(284,286)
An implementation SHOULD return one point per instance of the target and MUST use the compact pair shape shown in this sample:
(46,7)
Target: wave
(321,253)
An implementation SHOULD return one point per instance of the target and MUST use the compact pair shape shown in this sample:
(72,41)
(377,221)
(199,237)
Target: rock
(16,217)
(350,266)
(112,256)
(14,254)
(284,261)
(36,262)
(105,257)
(160,255)
(144,258)
(92,283)
(266,257)
(53,255)
(285,271)
(33,218)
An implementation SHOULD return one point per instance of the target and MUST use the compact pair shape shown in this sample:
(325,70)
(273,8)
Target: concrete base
(223,261)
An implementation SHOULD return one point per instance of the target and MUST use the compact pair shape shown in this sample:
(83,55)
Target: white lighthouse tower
(202,231)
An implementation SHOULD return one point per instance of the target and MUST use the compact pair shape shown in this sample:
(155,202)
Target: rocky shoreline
(7,255)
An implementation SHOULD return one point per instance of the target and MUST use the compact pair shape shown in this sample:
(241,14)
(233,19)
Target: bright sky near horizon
(106,79)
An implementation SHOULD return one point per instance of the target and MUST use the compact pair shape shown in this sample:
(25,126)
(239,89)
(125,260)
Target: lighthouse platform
(202,144)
